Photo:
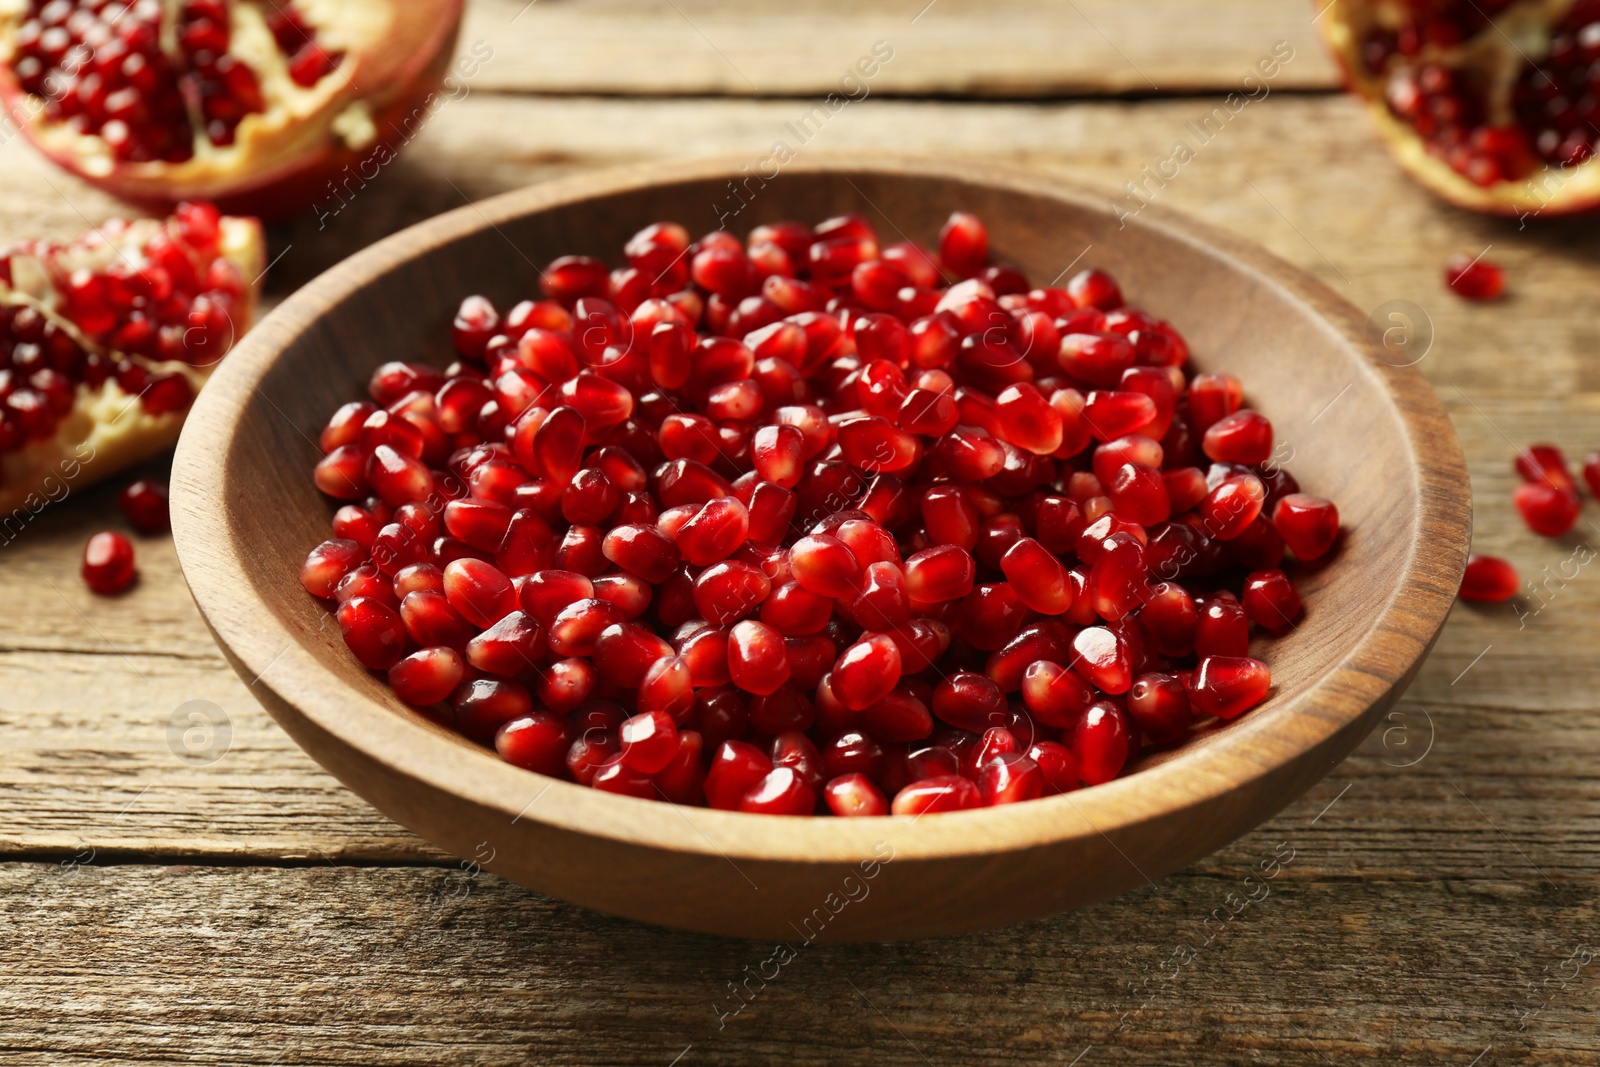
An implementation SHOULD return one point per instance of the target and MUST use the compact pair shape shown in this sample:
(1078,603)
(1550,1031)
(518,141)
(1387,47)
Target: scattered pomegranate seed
(108,563)
(1490,579)
(1474,279)
(145,504)
(793,526)
(1548,510)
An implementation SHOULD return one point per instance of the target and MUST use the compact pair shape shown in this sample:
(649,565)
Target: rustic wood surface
(1440,906)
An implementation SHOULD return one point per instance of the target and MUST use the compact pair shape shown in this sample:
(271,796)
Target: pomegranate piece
(1471,114)
(108,563)
(173,106)
(1489,579)
(1474,278)
(144,308)
(768,523)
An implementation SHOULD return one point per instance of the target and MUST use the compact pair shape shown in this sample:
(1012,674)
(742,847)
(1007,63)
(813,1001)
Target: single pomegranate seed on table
(145,504)
(1489,579)
(1474,278)
(783,522)
(108,564)
(1547,510)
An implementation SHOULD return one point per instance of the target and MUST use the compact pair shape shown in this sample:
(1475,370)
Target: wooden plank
(318,965)
(997,49)
(86,707)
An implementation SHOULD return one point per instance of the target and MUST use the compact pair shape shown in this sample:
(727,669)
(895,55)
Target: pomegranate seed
(511,646)
(1096,289)
(1591,472)
(1308,525)
(1054,695)
(757,660)
(108,564)
(781,791)
(145,505)
(371,629)
(1490,579)
(1545,463)
(714,532)
(642,550)
(536,742)
(478,591)
(963,245)
(1243,437)
(428,676)
(624,653)
(1227,686)
(1057,765)
(969,701)
(484,705)
(1102,656)
(728,591)
(1224,629)
(1270,601)
(932,795)
(1008,778)
(1232,506)
(735,768)
(1159,705)
(1473,279)
(854,795)
(1547,510)
(649,741)
(1101,743)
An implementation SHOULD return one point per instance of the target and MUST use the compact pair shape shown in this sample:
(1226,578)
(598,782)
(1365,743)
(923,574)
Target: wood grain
(1424,930)
(970,48)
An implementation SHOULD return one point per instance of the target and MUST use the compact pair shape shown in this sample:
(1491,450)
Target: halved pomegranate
(255,105)
(1492,104)
(104,341)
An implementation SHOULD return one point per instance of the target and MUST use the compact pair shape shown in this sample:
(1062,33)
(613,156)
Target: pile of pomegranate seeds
(809,523)
(102,67)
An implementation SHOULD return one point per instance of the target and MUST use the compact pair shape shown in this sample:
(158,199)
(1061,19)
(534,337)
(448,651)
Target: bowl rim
(292,683)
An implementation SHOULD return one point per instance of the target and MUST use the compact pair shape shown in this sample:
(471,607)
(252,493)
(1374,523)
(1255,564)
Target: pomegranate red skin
(393,78)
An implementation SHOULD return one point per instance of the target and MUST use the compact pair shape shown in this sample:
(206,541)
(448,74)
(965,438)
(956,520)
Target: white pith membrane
(295,122)
(107,429)
(1498,54)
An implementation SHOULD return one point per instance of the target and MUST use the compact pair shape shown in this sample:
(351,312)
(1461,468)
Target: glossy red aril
(761,524)
(145,505)
(1244,438)
(851,795)
(1227,686)
(1489,579)
(1101,742)
(1008,778)
(427,676)
(108,563)
(1474,278)
(931,796)
(1270,601)
(1546,509)
(1159,704)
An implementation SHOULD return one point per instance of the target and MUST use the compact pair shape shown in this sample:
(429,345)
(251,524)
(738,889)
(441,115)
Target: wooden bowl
(1366,433)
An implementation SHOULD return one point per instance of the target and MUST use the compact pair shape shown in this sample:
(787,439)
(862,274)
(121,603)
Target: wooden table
(220,899)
